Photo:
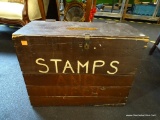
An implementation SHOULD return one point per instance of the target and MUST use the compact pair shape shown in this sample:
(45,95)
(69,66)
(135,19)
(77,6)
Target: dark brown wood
(127,52)
(60,101)
(78,63)
(33,68)
(104,91)
(77,80)
(155,45)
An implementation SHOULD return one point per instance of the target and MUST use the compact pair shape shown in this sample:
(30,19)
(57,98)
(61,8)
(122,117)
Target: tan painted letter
(82,65)
(116,69)
(67,65)
(55,61)
(37,61)
(95,65)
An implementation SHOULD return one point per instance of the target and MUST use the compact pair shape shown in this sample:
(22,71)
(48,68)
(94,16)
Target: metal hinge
(87,41)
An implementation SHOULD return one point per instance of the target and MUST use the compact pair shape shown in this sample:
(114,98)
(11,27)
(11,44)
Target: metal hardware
(87,41)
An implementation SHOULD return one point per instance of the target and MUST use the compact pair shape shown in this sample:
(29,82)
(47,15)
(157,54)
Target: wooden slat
(128,68)
(127,65)
(53,101)
(127,52)
(77,80)
(78,91)
(101,42)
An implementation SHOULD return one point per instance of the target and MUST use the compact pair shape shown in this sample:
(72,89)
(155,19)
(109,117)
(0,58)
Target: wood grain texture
(127,52)
(78,91)
(61,101)
(77,80)
(102,74)
(58,28)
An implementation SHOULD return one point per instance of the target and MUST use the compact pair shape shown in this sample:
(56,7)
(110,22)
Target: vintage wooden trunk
(78,63)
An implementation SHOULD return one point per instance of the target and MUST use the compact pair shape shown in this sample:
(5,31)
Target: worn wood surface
(77,80)
(61,29)
(59,70)
(78,91)
(60,101)
(127,52)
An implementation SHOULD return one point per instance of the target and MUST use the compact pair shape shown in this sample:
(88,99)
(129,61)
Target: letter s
(116,69)
(47,68)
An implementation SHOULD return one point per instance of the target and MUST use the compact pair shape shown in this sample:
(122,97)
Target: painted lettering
(95,64)
(116,69)
(79,64)
(68,66)
(55,62)
(47,68)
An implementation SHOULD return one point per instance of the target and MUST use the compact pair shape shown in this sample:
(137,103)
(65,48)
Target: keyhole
(86,46)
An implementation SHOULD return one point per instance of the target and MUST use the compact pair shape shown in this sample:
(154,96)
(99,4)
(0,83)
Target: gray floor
(143,102)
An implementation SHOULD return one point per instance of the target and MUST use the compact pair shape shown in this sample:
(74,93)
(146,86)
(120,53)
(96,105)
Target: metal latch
(87,41)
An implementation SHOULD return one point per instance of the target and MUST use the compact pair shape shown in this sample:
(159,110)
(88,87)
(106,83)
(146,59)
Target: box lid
(97,29)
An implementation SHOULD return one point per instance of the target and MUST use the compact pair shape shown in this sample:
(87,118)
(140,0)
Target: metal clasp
(87,41)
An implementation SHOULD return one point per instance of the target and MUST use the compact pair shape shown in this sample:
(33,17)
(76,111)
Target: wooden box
(78,63)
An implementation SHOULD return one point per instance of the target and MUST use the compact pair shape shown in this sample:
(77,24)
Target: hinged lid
(79,29)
